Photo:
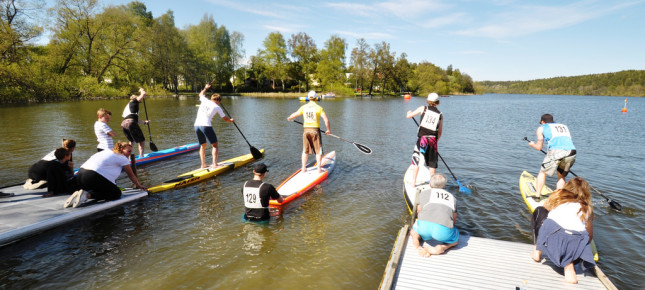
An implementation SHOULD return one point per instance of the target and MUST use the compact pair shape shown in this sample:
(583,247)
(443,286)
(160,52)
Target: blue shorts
(429,230)
(204,132)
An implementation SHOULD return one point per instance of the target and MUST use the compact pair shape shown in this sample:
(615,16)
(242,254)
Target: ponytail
(118,147)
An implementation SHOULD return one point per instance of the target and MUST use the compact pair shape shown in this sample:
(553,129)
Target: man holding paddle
(131,121)
(561,154)
(203,128)
(311,141)
(430,128)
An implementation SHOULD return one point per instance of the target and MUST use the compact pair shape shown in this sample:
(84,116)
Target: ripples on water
(339,235)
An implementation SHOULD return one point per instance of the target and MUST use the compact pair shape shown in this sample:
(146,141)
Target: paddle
(133,164)
(254,151)
(153,147)
(360,147)
(612,203)
(462,188)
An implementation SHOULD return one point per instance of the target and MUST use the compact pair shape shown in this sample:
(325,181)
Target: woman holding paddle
(203,128)
(563,228)
(131,121)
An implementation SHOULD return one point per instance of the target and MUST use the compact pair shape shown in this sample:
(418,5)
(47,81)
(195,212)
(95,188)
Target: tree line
(96,52)
(629,83)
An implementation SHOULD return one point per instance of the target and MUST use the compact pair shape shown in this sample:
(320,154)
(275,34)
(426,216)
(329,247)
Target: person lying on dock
(257,194)
(437,214)
(60,177)
(563,228)
(38,172)
(97,176)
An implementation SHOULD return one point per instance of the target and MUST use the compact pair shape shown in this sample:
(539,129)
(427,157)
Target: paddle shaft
(360,147)
(153,147)
(238,128)
(614,204)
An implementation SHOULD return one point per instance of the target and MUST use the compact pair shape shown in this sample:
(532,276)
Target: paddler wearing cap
(430,127)
(257,195)
(311,141)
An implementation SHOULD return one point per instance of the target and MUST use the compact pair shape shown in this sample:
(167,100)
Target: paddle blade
(363,148)
(464,189)
(153,147)
(256,153)
(615,205)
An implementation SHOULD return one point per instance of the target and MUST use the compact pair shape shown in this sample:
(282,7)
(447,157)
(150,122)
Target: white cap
(312,95)
(433,97)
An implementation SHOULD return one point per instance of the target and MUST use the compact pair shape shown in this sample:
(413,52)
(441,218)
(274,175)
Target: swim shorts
(205,132)
(562,160)
(429,230)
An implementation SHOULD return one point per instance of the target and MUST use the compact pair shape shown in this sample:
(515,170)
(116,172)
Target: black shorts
(132,131)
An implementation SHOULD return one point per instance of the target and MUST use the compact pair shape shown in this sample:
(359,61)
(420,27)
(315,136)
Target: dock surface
(27,213)
(479,263)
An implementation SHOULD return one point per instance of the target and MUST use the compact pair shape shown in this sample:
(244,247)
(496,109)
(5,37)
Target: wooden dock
(479,263)
(27,213)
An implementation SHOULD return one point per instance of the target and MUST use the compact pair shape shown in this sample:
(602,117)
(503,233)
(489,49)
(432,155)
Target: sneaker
(31,185)
(81,199)
(71,198)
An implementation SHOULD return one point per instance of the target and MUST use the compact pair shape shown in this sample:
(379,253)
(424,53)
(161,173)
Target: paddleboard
(203,173)
(300,182)
(166,153)
(528,190)
(410,191)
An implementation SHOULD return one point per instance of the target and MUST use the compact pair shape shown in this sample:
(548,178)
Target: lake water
(339,235)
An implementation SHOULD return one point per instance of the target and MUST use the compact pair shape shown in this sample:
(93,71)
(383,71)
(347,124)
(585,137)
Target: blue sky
(489,40)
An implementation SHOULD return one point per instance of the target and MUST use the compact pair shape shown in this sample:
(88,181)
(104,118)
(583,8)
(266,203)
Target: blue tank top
(557,136)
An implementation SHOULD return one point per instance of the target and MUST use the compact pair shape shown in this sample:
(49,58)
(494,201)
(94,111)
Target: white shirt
(206,111)
(567,216)
(106,163)
(101,130)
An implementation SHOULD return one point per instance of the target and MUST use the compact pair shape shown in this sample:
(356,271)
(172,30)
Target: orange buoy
(407,96)
(624,110)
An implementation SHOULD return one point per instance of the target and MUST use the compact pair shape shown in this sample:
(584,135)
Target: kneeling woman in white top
(97,176)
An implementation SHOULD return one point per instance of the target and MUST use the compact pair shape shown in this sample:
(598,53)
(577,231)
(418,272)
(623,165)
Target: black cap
(260,168)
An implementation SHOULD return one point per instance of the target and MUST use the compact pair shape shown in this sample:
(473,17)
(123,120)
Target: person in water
(131,121)
(204,128)
(311,141)
(563,228)
(430,129)
(97,176)
(437,215)
(257,194)
(561,154)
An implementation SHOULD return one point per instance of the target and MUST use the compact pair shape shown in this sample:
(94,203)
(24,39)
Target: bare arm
(440,129)
(412,114)
(227,119)
(133,177)
(203,92)
(540,140)
(293,116)
(142,94)
(589,225)
(111,134)
(324,116)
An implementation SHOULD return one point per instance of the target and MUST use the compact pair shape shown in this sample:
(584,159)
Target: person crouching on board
(97,176)
(38,172)
(430,128)
(437,214)
(204,128)
(60,177)
(257,195)
(563,228)
(311,141)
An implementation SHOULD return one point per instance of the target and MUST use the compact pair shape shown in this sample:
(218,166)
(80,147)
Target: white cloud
(280,29)
(369,35)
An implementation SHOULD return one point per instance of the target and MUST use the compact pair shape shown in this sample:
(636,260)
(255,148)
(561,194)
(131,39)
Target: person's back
(437,206)
(257,194)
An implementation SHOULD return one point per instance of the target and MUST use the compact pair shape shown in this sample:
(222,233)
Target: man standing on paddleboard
(430,128)
(257,195)
(561,155)
(203,128)
(131,121)
(311,141)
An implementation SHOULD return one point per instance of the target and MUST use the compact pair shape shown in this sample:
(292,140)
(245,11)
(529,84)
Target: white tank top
(252,196)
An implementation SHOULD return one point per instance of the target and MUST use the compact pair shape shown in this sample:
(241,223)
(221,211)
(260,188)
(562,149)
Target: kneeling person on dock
(257,195)
(437,214)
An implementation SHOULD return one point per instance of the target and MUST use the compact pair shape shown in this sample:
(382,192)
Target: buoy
(624,110)
(407,96)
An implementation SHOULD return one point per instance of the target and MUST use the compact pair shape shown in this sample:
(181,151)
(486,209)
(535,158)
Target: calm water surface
(341,234)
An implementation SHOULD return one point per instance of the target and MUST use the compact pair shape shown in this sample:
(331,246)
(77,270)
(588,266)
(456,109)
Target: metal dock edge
(479,263)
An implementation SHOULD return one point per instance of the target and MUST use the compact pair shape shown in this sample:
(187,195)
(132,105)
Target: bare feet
(536,256)
(570,274)
(423,252)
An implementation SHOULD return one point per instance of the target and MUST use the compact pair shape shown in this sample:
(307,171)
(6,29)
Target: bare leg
(536,255)
(541,179)
(304,162)
(215,146)
(439,249)
(319,161)
(416,242)
(142,147)
(415,171)
(561,181)
(202,154)
(570,274)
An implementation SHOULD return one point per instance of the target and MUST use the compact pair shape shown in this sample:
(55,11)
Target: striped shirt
(101,130)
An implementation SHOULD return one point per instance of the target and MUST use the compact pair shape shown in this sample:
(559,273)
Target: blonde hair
(216,97)
(102,112)
(119,145)
(575,190)
(69,143)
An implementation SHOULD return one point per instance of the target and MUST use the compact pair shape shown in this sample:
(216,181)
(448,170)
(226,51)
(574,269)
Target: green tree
(303,50)
(331,68)
(212,49)
(16,29)
(167,53)
(237,56)
(360,62)
(273,58)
